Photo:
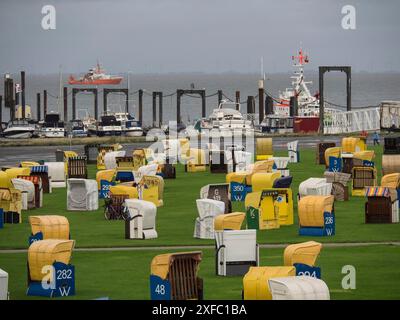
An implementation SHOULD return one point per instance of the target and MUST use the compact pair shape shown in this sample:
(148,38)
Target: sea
(368,89)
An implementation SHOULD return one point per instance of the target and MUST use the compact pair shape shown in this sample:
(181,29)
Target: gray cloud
(188,35)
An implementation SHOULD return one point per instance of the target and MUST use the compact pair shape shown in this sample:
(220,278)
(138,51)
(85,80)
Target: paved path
(262,246)
(10,156)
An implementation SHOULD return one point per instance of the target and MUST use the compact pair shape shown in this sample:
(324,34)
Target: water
(367,90)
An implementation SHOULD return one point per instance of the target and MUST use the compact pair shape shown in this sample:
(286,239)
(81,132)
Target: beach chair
(382,205)
(82,195)
(56,172)
(4,294)
(315,186)
(264,149)
(11,203)
(110,159)
(114,207)
(42,171)
(219,192)
(363,177)
(196,161)
(255,281)
(321,148)
(298,288)
(207,209)
(51,255)
(316,216)
(140,222)
(102,151)
(27,189)
(49,227)
(293,151)
(77,167)
(37,182)
(91,152)
(174,277)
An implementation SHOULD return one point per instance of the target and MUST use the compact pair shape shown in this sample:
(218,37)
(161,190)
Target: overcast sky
(212,36)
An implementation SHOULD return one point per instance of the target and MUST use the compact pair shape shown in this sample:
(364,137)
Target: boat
(107,126)
(130,126)
(96,76)
(77,128)
(307,117)
(225,120)
(19,129)
(52,127)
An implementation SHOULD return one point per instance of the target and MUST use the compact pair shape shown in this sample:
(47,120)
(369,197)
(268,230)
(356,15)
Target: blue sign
(61,282)
(306,270)
(36,237)
(367,163)
(1,219)
(159,289)
(335,164)
(104,192)
(239,191)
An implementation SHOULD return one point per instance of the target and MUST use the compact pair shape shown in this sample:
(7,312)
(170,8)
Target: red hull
(96,82)
(306,124)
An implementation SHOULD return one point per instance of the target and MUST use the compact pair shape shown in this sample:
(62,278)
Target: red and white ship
(96,76)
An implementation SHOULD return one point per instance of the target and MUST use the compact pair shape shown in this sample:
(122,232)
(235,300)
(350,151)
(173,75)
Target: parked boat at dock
(19,129)
(130,126)
(52,126)
(77,128)
(107,126)
(226,119)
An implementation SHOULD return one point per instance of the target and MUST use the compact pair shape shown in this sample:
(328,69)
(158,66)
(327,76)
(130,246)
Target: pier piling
(219,96)
(269,105)
(237,95)
(159,95)
(261,100)
(65,98)
(1,113)
(250,104)
(23,116)
(38,106)
(141,107)
(44,103)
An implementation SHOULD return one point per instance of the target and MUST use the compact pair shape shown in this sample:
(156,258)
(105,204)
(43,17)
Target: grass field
(124,274)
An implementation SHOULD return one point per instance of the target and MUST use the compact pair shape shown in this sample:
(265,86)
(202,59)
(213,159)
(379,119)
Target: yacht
(130,126)
(225,119)
(52,126)
(107,126)
(77,128)
(19,129)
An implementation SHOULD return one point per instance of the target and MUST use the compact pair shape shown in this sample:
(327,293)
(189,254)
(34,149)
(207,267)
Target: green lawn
(125,274)
(175,220)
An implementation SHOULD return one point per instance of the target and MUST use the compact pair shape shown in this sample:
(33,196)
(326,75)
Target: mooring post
(44,103)
(160,109)
(74,90)
(38,106)
(203,103)
(178,106)
(348,87)
(96,104)
(260,100)
(250,104)
(65,99)
(141,107)
(269,105)
(219,96)
(154,109)
(105,93)
(321,99)
(237,94)
(23,116)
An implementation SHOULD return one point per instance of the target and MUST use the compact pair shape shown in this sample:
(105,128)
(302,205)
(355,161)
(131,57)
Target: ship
(96,76)
(306,119)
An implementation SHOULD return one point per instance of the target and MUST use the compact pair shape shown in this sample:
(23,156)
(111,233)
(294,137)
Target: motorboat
(19,129)
(130,126)
(77,128)
(52,127)
(226,119)
(108,126)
